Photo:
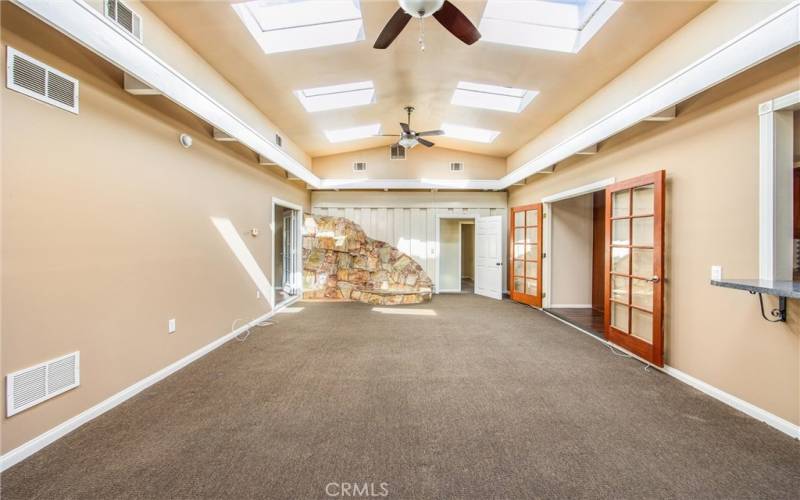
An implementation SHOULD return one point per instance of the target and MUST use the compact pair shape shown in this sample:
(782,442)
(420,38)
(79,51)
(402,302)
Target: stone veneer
(341,262)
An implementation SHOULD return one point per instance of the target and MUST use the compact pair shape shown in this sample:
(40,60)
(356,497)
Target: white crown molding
(88,27)
(467,184)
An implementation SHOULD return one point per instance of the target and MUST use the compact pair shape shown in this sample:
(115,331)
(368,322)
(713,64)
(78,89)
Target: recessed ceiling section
(558,25)
(288,25)
(495,97)
(336,96)
(353,133)
(472,134)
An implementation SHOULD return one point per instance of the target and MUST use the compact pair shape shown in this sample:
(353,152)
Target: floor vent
(360,166)
(397,152)
(125,18)
(456,166)
(38,80)
(278,140)
(33,385)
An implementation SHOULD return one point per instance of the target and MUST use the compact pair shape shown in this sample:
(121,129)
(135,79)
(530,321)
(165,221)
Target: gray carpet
(483,400)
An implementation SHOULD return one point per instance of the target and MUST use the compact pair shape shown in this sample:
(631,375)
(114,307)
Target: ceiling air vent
(125,18)
(33,385)
(35,79)
(360,166)
(456,166)
(278,140)
(397,152)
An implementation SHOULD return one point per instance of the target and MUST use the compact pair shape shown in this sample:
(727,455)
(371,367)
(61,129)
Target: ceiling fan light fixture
(408,142)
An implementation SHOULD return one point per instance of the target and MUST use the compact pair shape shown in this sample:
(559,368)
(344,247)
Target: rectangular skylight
(479,95)
(353,133)
(560,25)
(285,25)
(336,96)
(469,133)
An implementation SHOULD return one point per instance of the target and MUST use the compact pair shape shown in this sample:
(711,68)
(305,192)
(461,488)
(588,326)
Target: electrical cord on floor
(245,334)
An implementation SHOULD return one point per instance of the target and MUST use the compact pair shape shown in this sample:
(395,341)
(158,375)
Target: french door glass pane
(621,203)
(619,288)
(531,288)
(620,232)
(643,231)
(530,252)
(532,217)
(519,251)
(533,235)
(519,285)
(619,317)
(519,219)
(642,325)
(531,269)
(642,294)
(519,268)
(643,197)
(619,260)
(519,235)
(642,262)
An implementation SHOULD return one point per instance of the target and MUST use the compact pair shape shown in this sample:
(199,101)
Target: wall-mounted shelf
(783,289)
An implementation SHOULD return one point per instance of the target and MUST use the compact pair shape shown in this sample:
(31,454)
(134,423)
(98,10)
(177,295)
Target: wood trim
(598,248)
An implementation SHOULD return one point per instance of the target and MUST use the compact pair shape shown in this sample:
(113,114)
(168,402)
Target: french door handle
(499,263)
(654,279)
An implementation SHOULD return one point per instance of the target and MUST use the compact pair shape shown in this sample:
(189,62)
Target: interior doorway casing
(439,218)
(297,272)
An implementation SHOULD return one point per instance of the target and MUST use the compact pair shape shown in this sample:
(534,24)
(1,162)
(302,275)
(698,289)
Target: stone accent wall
(341,263)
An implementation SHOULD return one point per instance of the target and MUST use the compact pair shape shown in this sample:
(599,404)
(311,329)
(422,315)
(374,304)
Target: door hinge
(544,294)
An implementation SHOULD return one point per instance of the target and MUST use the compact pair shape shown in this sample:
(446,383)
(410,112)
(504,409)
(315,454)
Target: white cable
(245,334)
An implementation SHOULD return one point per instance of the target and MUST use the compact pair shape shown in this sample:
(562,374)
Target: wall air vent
(360,166)
(33,385)
(397,152)
(456,166)
(38,80)
(125,18)
(278,140)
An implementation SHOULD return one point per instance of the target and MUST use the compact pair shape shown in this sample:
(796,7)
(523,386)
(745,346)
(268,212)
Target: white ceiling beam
(88,27)
(137,87)
(429,184)
(221,136)
(663,116)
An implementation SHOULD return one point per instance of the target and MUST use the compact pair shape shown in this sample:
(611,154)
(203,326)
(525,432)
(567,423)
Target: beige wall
(420,162)
(710,29)
(710,153)
(107,233)
(468,251)
(571,251)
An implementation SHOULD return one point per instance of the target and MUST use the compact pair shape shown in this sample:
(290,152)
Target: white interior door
(289,252)
(489,256)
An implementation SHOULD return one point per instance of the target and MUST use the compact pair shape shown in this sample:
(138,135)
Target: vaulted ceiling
(404,75)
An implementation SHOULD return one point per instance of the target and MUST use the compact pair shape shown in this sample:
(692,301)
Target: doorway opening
(456,273)
(286,269)
(577,249)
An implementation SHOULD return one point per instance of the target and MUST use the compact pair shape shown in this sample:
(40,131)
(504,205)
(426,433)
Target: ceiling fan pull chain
(421,40)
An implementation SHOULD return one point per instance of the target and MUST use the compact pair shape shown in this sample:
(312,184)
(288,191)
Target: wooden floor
(589,319)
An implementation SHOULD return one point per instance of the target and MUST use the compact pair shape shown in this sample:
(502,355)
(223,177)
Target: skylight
(284,25)
(336,96)
(353,133)
(469,133)
(560,25)
(478,95)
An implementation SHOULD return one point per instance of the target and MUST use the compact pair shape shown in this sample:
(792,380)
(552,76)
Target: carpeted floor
(483,400)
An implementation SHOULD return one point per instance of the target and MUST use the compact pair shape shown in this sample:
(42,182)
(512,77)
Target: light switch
(171,326)
(716,273)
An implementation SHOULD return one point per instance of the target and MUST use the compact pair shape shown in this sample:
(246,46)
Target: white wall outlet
(171,327)
(716,273)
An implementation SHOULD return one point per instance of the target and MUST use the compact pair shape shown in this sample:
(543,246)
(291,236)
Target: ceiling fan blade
(430,132)
(393,28)
(424,142)
(457,23)
(406,129)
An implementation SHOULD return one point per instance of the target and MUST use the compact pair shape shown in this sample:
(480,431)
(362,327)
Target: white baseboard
(25,450)
(743,406)
(571,306)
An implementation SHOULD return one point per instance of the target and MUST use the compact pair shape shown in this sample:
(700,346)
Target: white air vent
(125,18)
(397,152)
(33,385)
(278,140)
(360,166)
(456,166)
(38,80)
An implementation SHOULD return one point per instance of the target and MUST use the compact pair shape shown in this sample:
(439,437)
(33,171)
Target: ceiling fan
(443,11)
(409,138)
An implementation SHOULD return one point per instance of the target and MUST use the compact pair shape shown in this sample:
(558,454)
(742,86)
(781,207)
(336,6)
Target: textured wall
(340,262)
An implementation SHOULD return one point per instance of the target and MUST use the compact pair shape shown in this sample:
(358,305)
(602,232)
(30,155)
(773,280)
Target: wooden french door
(525,247)
(634,266)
